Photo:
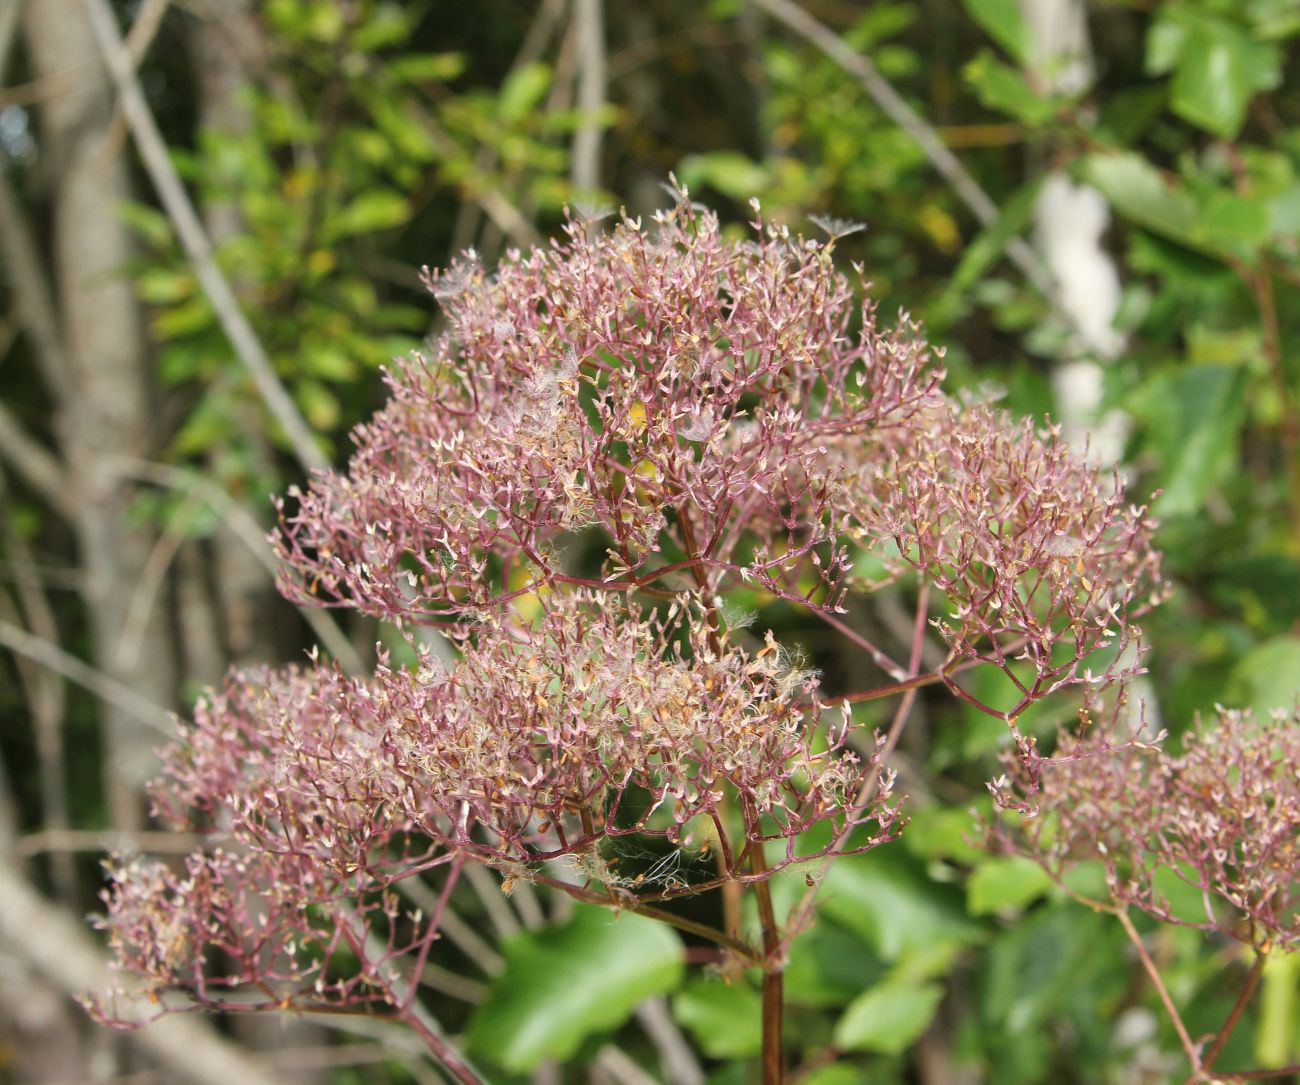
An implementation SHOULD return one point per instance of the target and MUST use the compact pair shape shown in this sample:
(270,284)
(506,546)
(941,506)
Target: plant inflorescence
(717,413)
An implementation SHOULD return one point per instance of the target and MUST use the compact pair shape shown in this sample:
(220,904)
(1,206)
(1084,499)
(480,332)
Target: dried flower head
(1218,823)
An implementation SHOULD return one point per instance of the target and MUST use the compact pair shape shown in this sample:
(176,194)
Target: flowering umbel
(720,413)
(1217,824)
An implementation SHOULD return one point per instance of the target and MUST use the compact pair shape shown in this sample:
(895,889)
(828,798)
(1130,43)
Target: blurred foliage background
(1094,207)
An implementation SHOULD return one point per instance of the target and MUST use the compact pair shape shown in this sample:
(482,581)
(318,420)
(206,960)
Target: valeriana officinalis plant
(718,413)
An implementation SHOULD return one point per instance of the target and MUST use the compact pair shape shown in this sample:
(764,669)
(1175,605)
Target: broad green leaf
(1193,419)
(1137,191)
(1004,89)
(724,1019)
(1267,677)
(889,1018)
(943,832)
(882,898)
(828,966)
(523,91)
(563,984)
(1219,70)
(1005,883)
(1042,963)
(1002,21)
(1183,899)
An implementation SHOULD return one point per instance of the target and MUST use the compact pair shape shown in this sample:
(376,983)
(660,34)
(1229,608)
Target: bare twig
(34,464)
(680,1066)
(246,528)
(97,682)
(585,166)
(194,239)
(27,278)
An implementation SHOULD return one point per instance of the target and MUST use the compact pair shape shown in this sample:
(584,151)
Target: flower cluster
(672,386)
(542,742)
(1221,820)
(706,403)
(1037,555)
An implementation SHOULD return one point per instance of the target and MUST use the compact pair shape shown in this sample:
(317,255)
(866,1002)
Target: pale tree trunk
(104,407)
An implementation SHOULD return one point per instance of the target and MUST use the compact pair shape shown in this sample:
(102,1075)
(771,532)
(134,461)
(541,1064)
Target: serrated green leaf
(1005,883)
(563,984)
(725,1019)
(1002,21)
(889,1018)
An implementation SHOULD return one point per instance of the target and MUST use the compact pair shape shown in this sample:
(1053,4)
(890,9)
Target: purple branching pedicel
(721,413)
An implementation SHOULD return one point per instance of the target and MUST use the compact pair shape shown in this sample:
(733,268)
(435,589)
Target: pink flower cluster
(539,743)
(1221,820)
(721,412)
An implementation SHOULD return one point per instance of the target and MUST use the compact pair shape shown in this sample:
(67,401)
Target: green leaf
(889,1018)
(835,1074)
(1193,419)
(378,209)
(730,172)
(1137,191)
(426,67)
(1002,21)
(991,242)
(1004,89)
(522,91)
(1219,70)
(1005,883)
(1267,677)
(828,966)
(894,907)
(725,1019)
(150,224)
(165,286)
(562,984)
